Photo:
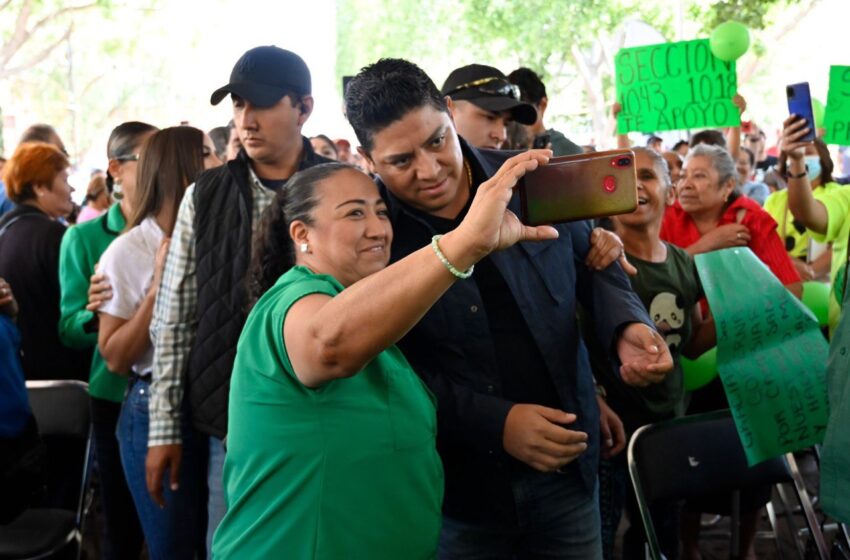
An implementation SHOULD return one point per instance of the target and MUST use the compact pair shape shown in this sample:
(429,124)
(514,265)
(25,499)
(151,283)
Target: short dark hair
(383,93)
(220,136)
(39,133)
(653,139)
(711,137)
(531,87)
(679,144)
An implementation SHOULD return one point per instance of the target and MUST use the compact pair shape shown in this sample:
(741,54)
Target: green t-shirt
(669,291)
(837,203)
(81,249)
(348,470)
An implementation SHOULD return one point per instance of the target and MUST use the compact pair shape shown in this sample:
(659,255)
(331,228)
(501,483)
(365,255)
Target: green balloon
(816,298)
(699,372)
(818,111)
(729,41)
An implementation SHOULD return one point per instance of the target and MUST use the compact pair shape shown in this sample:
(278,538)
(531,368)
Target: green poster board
(770,353)
(674,86)
(837,118)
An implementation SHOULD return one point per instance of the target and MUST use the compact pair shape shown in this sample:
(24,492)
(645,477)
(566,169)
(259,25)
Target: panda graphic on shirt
(669,316)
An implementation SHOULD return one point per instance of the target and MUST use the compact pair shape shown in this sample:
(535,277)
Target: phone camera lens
(624,162)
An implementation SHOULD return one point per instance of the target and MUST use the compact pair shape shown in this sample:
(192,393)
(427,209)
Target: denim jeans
(177,530)
(121,534)
(216,507)
(556,518)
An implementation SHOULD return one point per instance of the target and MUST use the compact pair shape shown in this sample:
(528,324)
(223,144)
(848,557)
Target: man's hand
(161,458)
(613,434)
(605,248)
(535,435)
(100,290)
(643,354)
(8,304)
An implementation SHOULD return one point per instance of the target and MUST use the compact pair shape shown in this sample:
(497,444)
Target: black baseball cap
(489,89)
(265,74)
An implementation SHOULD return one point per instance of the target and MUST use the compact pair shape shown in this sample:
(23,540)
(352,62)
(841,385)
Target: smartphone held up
(800,104)
(579,187)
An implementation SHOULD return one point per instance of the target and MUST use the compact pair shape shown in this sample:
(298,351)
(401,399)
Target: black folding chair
(700,455)
(61,409)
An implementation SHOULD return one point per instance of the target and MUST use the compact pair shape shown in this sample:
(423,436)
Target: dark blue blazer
(452,350)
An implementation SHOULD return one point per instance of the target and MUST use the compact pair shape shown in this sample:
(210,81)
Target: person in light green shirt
(826,215)
(331,434)
(81,249)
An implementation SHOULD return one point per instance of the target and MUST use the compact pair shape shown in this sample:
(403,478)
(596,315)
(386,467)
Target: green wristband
(436,246)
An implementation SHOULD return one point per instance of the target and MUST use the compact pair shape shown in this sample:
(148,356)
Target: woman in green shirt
(82,246)
(331,435)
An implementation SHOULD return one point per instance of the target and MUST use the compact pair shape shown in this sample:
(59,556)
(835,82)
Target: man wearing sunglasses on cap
(482,101)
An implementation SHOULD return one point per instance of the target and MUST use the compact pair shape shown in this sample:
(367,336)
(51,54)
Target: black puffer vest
(223,230)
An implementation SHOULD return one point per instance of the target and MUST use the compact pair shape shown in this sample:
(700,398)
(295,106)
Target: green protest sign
(770,353)
(674,86)
(837,118)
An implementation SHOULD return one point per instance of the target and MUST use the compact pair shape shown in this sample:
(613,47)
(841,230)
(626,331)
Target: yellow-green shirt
(836,200)
(348,470)
(797,239)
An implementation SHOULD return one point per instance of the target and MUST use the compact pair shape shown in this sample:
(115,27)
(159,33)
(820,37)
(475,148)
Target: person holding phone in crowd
(515,396)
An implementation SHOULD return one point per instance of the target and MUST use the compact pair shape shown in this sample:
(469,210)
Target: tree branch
(22,34)
(40,56)
(59,13)
(19,36)
(791,24)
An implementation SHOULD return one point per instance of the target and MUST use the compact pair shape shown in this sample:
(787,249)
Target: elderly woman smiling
(710,215)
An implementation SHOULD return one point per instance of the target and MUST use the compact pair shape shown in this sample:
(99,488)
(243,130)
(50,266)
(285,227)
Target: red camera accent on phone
(609,183)
(621,162)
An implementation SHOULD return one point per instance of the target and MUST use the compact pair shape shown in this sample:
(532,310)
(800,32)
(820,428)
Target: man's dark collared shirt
(453,348)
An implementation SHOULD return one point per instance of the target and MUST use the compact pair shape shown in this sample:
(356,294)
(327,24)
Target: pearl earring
(305,248)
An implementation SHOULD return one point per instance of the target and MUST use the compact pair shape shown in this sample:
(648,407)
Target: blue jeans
(216,507)
(556,518)
(176,531)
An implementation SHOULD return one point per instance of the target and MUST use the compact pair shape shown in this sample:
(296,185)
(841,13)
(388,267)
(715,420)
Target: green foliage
(541,34)
(755,14)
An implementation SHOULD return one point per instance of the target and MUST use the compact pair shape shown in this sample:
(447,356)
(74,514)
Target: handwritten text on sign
(837,117)
(770,354)
(674,86)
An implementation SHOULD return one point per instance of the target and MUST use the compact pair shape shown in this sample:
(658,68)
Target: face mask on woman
(813,167)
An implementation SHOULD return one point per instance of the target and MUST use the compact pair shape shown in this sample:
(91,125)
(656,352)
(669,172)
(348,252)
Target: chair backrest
(694,456)
(61,410)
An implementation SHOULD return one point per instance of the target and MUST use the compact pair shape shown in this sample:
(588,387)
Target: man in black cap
(200,306)
(482,101)
(533,90)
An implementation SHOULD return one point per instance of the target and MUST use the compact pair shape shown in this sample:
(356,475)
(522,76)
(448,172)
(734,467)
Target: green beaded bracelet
(436,246)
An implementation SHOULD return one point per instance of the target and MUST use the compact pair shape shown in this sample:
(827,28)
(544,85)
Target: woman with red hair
(36,179)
